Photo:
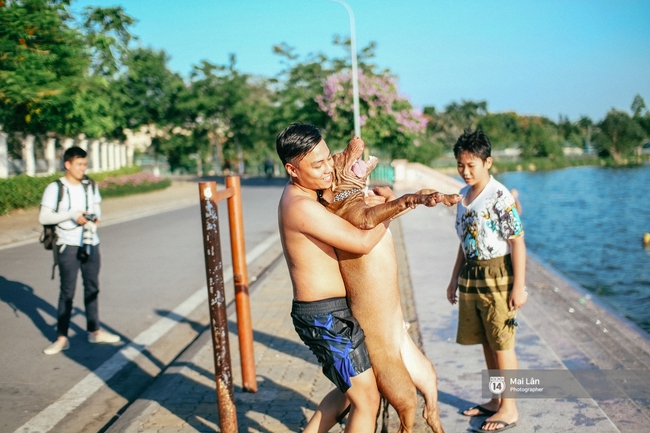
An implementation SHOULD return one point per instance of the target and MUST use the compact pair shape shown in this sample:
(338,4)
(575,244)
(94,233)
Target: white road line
(45,420)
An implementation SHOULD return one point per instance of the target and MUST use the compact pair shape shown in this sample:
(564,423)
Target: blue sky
(548,57)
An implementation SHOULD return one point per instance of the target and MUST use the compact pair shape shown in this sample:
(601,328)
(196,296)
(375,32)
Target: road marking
(45,420)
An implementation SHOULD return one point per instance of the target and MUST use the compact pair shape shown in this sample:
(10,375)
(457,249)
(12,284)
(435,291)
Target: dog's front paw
(432,199)
(450,199)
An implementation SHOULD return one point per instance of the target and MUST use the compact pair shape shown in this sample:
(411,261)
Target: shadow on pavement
(283,345)
(21,298)
(272,400)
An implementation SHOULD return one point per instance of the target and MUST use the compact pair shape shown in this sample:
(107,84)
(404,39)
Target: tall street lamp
(355,75)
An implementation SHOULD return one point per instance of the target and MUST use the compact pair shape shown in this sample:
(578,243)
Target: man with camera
(73,204)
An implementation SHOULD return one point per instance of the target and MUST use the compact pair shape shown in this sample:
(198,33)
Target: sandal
(505,425)
(481,411)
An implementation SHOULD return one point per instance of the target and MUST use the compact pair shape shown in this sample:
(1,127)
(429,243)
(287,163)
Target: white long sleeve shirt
(72,205)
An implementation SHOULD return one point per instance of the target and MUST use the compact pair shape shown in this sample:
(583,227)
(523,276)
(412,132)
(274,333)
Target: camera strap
(89,183)
(86,186)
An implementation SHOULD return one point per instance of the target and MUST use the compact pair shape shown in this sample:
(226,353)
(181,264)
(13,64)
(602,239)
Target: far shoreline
(549,164)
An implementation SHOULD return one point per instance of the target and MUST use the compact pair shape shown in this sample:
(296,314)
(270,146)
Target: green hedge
(24,191)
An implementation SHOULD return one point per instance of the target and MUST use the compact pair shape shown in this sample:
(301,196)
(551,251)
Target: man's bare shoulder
(299,211)
(296,201)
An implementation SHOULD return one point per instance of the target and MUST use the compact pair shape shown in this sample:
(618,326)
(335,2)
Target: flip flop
(481,411)
(506,426)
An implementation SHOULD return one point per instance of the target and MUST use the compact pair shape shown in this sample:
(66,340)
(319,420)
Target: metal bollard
(240,275)
(217,302)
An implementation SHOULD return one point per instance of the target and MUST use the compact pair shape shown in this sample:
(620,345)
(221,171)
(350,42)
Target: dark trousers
(69,265)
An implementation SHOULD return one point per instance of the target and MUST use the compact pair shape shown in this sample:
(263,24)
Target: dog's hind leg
(395,384)
(424,376)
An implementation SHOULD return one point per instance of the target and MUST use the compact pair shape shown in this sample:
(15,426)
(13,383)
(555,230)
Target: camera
(89,230)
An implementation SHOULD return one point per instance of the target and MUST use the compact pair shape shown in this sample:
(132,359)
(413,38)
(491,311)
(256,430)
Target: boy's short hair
(73,153)
(475,143)
(296,141)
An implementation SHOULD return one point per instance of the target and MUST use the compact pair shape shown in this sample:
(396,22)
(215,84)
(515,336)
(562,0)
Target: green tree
(618,135)
(147,89)
(297,87)
(638,106)
(586,127)
(198,110)
(228,113)
(41,67)
(144,95)
(48,82)
(466,114)
(107,36)
(540,139)
(248,114)
(641,115)
(446,126)
(504,129)
(107,32)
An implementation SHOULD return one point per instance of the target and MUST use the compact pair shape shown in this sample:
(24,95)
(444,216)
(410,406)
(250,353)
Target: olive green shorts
(484,288)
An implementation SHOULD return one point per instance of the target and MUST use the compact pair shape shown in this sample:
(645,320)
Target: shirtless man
(320,312)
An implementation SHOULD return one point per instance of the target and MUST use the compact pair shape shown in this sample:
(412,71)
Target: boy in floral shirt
(490,270)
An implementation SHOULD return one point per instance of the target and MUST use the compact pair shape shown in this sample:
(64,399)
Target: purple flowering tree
(389,123)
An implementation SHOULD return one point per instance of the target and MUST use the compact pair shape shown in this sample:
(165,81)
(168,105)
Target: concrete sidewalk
(561,328)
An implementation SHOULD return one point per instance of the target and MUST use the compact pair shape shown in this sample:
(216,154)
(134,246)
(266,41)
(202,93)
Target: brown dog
(373,291)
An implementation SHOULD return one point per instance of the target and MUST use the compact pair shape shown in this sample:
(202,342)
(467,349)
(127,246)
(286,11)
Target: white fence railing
(102,155)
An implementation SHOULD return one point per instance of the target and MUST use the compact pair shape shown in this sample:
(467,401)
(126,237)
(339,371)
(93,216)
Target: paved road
(153,288)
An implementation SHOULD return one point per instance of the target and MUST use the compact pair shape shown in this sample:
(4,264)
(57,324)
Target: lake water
(588,223)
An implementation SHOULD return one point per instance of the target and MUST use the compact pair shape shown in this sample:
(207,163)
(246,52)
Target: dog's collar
(345,194)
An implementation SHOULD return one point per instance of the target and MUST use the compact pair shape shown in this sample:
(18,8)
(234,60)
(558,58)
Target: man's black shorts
(328,328)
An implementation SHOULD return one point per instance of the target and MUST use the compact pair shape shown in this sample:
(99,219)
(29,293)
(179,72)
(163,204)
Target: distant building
(573,151)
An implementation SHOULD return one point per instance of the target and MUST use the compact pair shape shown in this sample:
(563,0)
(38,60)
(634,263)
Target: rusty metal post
(217,302)
(240,274)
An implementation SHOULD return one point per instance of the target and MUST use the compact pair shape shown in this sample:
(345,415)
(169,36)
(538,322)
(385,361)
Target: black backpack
(48,236)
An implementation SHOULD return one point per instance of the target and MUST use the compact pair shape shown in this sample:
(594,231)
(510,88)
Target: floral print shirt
(485,225)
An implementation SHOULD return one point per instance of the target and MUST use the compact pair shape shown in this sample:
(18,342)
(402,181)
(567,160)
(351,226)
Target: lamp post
(355,75)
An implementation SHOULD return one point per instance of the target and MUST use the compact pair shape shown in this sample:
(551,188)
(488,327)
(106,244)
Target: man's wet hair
(475,143)
(73,153)
(296,141)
